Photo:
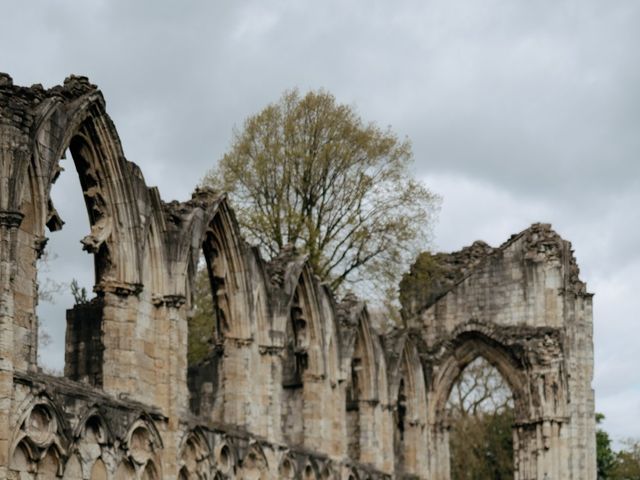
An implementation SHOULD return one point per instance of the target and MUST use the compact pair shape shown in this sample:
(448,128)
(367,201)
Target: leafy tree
(309,172)
(605,457)
(481,417)
(627,463)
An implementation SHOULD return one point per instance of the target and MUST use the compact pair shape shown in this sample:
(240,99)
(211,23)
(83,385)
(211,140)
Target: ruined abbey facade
(298,384)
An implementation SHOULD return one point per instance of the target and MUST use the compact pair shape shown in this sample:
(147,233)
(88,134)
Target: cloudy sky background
(518,112)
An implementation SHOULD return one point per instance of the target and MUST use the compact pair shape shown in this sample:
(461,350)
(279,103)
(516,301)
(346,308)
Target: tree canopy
(307,171)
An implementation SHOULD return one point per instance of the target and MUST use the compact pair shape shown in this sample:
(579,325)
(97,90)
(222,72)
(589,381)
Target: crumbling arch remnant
(521,305)
(523,308)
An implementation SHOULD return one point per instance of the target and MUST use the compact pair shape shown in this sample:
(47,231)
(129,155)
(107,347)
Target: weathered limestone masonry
(296,385)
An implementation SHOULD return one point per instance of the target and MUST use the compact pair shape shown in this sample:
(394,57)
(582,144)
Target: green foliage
(422,284)
(605,457)
(309,172)
(481,418)
(482,446)
(627,463)
(202,321)
(621,465)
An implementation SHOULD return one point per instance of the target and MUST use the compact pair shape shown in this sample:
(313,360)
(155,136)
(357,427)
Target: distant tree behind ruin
(481,417)
(309,172)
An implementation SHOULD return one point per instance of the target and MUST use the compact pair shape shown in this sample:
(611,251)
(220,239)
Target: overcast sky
(518,111)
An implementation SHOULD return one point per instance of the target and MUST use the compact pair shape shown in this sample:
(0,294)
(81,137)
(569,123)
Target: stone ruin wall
(297,384)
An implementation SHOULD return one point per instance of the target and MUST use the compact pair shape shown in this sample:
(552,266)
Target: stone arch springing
(232,322)
(23,459)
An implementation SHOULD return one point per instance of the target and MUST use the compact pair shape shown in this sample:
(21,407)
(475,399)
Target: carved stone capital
(270,350)
(122,289)
(10,219)
(170,301)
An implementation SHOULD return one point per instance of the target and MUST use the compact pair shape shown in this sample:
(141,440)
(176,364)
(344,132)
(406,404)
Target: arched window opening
(401,411)
(202,321)
(208,322)
(296,356)
(296,361)
(218,272)
(65,282)
(353,398)
(480,413)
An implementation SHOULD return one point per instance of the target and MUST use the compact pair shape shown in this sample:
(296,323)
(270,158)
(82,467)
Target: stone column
(171,358)
(438,451)
(9,223)
(268,394)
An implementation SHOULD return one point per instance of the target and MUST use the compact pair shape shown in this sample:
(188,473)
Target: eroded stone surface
(297,384)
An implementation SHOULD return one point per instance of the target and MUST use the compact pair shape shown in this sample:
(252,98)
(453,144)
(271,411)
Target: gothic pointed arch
(304,340)
(110,183)
(287,469)
(41,427)
(408,396)
(73,468)
(468,342)
(195,460)
(254,463)
(207,225)
(367,394)
(143,444)
(93,426)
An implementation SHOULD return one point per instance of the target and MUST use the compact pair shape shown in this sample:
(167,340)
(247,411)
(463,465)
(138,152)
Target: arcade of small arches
(295,384)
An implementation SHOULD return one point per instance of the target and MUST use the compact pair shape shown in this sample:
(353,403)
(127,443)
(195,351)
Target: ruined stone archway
(522,307)
(447,368)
